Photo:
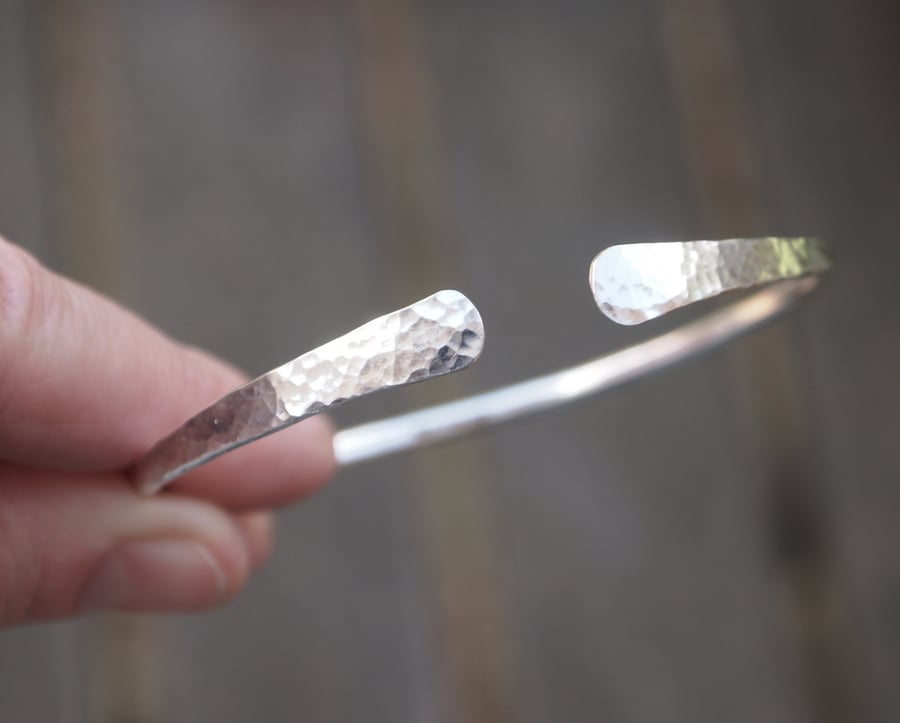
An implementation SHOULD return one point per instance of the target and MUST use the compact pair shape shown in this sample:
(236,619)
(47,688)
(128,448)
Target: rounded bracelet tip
(634,283)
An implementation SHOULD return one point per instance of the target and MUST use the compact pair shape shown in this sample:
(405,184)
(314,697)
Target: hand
(85,389)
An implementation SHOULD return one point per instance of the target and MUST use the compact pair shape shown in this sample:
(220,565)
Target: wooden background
(720,542)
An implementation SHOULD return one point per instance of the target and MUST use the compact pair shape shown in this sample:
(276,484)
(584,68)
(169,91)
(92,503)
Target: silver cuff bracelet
(631,283)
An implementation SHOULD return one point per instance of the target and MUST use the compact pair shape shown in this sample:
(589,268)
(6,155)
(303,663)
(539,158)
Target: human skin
(86,388)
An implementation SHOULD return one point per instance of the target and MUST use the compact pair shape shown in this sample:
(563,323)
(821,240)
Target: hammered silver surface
(438,335)
(633,283)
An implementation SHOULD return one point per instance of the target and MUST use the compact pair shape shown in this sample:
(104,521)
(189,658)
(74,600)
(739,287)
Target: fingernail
(155,576)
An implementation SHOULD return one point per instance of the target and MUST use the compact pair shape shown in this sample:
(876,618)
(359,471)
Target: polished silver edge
(438,335)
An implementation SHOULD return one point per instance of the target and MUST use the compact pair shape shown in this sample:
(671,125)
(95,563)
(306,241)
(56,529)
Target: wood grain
(658,554)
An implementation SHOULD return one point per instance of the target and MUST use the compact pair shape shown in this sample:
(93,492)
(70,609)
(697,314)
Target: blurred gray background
(720,542)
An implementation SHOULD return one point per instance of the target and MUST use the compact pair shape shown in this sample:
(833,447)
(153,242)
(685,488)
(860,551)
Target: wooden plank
(773,415)
(20,183)
(418,248)
(38,677)
(616,542)
(823,84)
(244,205)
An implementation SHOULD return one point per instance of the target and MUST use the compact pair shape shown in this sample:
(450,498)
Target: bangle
(444,333)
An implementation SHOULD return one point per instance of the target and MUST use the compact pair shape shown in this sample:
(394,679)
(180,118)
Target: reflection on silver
(435,336)
(444,333)
(633,283)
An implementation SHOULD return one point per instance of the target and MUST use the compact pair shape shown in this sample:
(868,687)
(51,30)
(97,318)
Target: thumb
(76,545)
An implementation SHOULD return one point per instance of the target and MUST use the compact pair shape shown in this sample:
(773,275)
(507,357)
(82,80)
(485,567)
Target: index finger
(87,385)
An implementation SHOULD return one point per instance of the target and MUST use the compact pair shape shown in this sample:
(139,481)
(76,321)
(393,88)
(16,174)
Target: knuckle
(19,284)
(21,309)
